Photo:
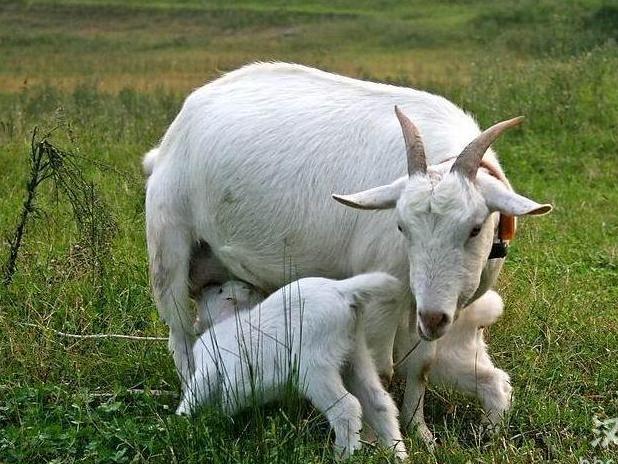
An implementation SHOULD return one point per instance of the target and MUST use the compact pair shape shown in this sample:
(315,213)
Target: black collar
(499,250)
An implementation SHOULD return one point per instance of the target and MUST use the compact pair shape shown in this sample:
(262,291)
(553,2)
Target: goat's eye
(474,232)
(399,228)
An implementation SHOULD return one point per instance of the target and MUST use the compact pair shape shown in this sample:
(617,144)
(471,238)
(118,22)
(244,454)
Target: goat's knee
(327,393)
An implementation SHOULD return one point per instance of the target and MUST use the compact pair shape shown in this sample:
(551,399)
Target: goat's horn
(468,162)
(414,144)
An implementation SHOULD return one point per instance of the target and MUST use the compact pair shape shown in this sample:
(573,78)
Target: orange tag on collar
(506,227)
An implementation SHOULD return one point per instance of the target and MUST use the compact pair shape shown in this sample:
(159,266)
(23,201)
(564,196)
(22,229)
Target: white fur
(249,165)
(309,333)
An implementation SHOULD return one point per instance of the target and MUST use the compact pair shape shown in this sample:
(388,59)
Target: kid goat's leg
(379,410)
(200,389)
(324,388)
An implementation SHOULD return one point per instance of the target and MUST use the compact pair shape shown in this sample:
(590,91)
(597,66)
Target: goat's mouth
(427,337)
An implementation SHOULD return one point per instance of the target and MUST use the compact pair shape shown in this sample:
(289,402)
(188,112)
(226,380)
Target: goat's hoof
(430,442)
(182,412)
(400,451)
(343,453)
(368,436)
(425,434)
(489,427)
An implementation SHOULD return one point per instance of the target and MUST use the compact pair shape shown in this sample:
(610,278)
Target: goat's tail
(149,161)
(370,287)
(484,311)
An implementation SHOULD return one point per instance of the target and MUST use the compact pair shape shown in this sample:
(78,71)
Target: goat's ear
(500,198)
(383,197)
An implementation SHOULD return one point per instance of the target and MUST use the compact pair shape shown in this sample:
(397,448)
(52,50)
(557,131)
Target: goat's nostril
(434,320)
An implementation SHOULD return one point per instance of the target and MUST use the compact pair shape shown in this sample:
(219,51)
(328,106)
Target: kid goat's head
(444,214)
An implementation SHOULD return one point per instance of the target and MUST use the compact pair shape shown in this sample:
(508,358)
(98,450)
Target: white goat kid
(219,302)
(461,360)
(241,185)
(309,333)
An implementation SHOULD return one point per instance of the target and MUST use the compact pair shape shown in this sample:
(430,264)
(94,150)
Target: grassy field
(109,76)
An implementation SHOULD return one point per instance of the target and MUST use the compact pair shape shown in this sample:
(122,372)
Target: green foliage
(548,28)
(113,77)
(95,224)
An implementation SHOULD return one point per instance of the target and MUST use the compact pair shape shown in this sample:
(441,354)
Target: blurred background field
(109,76)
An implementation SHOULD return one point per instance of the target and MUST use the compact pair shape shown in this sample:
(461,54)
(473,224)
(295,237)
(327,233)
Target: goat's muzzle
(432,324)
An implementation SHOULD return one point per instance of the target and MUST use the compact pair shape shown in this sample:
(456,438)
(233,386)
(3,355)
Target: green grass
(113,74)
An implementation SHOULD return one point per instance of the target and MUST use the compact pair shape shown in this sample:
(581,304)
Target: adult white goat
(310,335)
(242,182)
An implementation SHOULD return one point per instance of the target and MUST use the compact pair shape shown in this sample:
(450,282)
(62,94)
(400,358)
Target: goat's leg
(496,397)
(479,378)
(169,249)
(382,355)
(200,389)
(380,326)
(324,388)
(379,410)
(416,367)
